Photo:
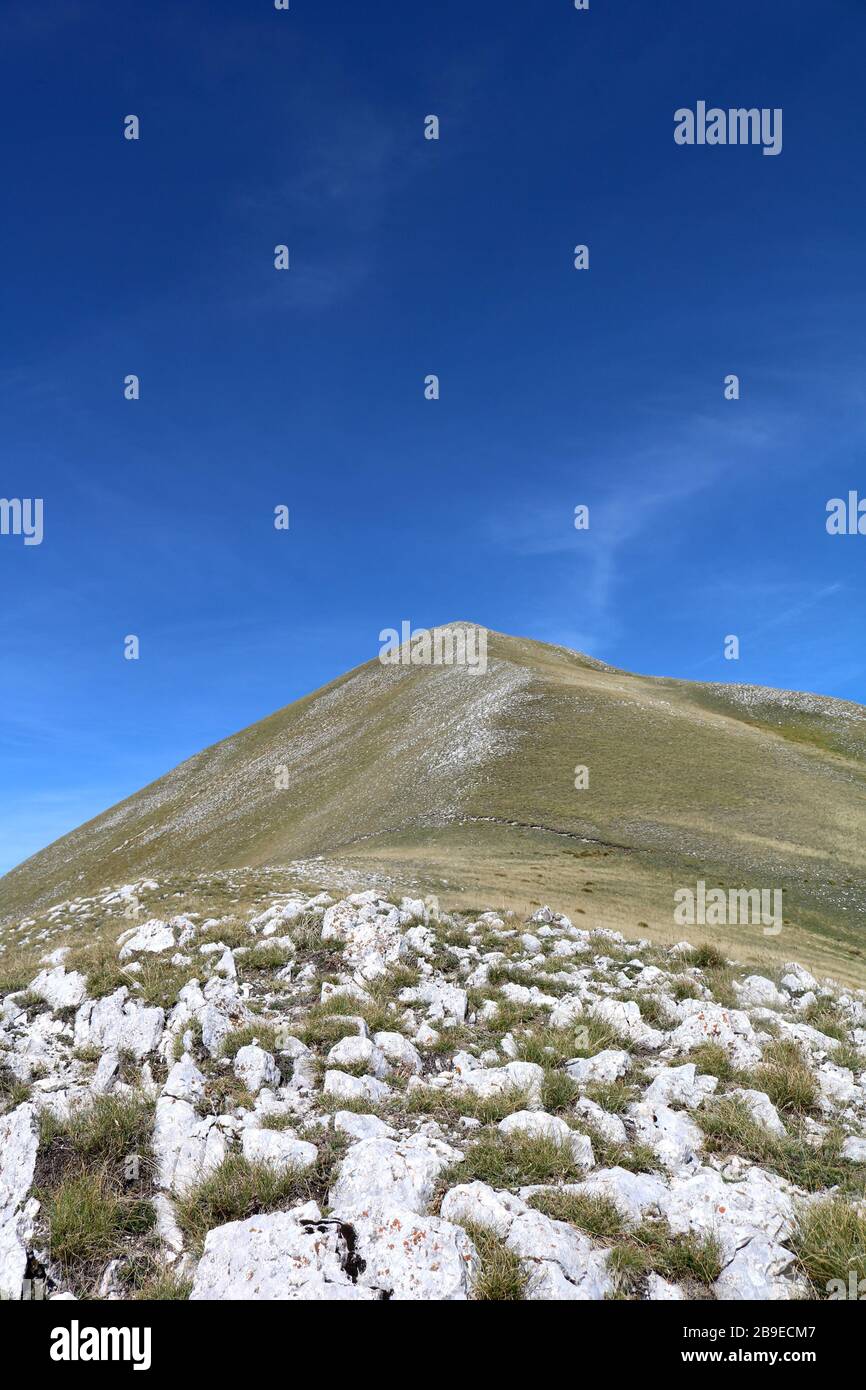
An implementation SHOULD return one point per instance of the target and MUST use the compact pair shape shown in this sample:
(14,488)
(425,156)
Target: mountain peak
(546,761)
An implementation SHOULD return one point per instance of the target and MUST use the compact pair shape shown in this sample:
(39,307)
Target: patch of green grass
(559,1091)
(829,1240)
(653,1009)
(786,1077)
(12,1091)
(99,963)
(306,931)
(612,1096)
(515,1160)
(450,1105)
(90,1222)
(238,1189)
(105,1130)
(262,1033)
(597,1216)
(501,1277)
(729,1128)
(225,1092)
(18,966)
(32,1003)
(711,1059)
(828,1019)
(847,1055)
(164,1285)
(684,988)
(653,1248)
(720,982)
(356,1105)
(279,1122)
(636,1157)
(158,982)
(706,957)
(229,933)
(263,959)
(322,1023)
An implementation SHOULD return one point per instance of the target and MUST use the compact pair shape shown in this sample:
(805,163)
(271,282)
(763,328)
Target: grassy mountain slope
(462,783)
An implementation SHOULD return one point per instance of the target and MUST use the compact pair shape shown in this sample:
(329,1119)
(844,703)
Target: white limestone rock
(660,1291)
(187,1148)
(625,1018)
(756,991)
(609,1126)
(371,932)
(672,1136)
(705,1022)
(278,1148)
(353,1052)
(153,936)
(119,1023)
(761,1270)
(760,1107)
(384,1172)
(797,980)
(478,1204)
(524,1077)
(19,1141)
(560,1261)
(287,1255)
(362,1126)
(536,1124)
(680,1086)
(409,1256)
(605,1066)
(346,1087)
(60,988)
(758,1204)
(399,1051)
(256,1068)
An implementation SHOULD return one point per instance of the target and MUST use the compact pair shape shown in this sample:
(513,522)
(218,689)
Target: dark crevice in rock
(351,1261)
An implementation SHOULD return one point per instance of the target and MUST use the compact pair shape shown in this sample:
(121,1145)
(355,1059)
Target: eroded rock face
(485,1083)
(760,1270)
(120,1023)
(408,1256)
(19,1141)
(284,1255)
(560,1261)
(60,988)
(256,1068)
(371,932)
(672,1135)
(279,1148)
(608,1065)
(729,1028)
(153,936)
(374,1088)
(761,1204)
(382,1172)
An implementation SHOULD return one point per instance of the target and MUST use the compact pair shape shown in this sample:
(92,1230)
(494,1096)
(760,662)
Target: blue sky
(411,257)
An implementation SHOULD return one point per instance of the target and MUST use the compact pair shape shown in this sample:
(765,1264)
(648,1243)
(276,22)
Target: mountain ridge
(427,766)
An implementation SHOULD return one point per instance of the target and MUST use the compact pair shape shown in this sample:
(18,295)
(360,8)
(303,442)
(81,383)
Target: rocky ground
(359,1099)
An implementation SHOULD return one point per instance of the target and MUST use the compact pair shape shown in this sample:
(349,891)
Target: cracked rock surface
(352,1095)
